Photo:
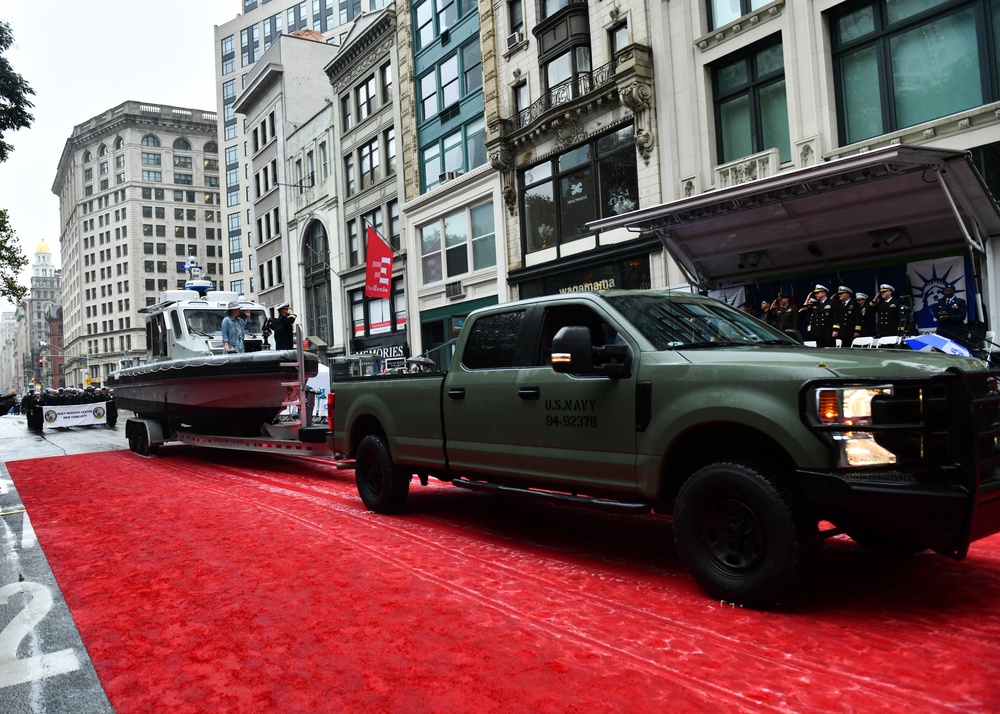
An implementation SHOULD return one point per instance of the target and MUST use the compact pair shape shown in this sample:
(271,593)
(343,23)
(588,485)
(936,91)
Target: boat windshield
(207,322)
(672,322)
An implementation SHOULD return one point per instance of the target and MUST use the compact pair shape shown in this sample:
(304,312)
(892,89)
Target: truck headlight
(858,448)
(847,406)
(852,407)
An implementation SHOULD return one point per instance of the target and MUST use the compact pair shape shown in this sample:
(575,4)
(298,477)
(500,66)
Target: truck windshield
(678,322)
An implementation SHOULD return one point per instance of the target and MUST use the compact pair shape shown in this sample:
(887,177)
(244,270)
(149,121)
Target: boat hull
(224,393)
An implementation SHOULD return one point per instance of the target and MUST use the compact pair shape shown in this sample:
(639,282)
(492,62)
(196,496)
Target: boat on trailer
(189,382)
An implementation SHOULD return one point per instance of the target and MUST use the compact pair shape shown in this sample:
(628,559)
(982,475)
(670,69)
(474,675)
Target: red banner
(378,276)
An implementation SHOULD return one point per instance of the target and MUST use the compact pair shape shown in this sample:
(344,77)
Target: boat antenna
(195,281)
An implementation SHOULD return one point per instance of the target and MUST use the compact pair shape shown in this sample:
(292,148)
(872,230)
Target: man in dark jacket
(817,315)
(951,312)
(887,312)
(846,317)
(282,324)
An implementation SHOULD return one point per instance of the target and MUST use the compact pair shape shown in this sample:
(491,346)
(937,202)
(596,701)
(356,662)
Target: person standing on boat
(234,325)
(282,325)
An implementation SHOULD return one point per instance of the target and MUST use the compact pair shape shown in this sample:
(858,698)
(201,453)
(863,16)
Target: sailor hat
(821,287)
(845,289)
(886,286)
(863,296)
(282,306)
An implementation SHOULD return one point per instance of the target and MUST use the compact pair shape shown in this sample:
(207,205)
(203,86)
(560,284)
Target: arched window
(182,144)
(211,148)
(119,144)
(103,150)
(317,283)
(87,156)
(150,140)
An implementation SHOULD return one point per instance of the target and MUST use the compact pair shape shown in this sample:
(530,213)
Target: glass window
(472,67)
(424,14)
(350,179)
(619,38)
(492,341)
(346,115)
(389,139)
(563,194)
(484,253)
(515,15)
(722,12)
(430,252)
(456,238)
(365,98)
(428,96)
(903,63)
(386,73)
(430,162)
(750,104)
(368,156)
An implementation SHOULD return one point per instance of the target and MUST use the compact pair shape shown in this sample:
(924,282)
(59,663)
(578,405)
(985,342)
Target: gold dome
(43,247)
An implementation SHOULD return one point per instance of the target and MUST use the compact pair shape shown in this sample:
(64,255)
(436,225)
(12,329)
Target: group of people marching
(34,402)
(846,315)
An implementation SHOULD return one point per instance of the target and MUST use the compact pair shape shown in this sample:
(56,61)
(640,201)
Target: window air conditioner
(454,290)
(514,39)
(446,176)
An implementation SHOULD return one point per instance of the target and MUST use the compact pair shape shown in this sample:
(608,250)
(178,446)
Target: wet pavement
(44,666)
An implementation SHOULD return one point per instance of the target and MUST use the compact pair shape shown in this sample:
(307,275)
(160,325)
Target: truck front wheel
(739,533)
(383,487)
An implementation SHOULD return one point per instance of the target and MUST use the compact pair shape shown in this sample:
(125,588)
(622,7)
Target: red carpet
(211,580)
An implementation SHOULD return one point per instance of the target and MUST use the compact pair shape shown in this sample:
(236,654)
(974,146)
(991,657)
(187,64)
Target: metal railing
(579,86)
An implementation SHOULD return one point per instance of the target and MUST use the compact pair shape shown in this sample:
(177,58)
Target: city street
(213,580)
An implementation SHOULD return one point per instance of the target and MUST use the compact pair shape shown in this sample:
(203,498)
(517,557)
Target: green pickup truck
(642,401)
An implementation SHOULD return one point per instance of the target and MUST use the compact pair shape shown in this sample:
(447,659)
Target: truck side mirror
(572,351)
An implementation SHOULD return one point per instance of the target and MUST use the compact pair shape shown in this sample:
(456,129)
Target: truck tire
(739,533)
(383,487)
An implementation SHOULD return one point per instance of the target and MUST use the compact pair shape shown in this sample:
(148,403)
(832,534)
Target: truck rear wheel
(738,533)
(383,487)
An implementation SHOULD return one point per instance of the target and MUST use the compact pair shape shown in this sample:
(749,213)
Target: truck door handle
(529,394)
(456,393)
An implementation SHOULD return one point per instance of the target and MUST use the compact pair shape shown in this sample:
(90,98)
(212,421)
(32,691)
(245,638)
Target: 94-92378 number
(571,421)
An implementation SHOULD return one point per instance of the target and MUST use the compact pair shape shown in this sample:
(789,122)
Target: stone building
(138,189)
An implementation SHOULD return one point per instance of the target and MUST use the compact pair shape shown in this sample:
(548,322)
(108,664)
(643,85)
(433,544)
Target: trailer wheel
(383,487)
(739,533)
(138,441)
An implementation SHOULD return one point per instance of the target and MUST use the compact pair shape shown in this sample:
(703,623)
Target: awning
(892,204)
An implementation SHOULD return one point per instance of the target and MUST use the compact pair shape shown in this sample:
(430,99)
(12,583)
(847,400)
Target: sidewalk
(51,671)
(17,442)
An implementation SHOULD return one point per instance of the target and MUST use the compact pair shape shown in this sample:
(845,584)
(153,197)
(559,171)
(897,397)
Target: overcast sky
(83,58)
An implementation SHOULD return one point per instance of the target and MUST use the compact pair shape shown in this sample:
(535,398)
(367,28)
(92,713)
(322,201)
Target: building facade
(139,202)
(363,78)
(287,92)
(572,120)
(452,214)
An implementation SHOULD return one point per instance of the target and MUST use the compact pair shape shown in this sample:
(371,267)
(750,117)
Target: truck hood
(845,363)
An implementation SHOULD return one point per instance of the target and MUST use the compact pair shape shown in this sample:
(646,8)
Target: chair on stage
(863,342)
(889,341)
